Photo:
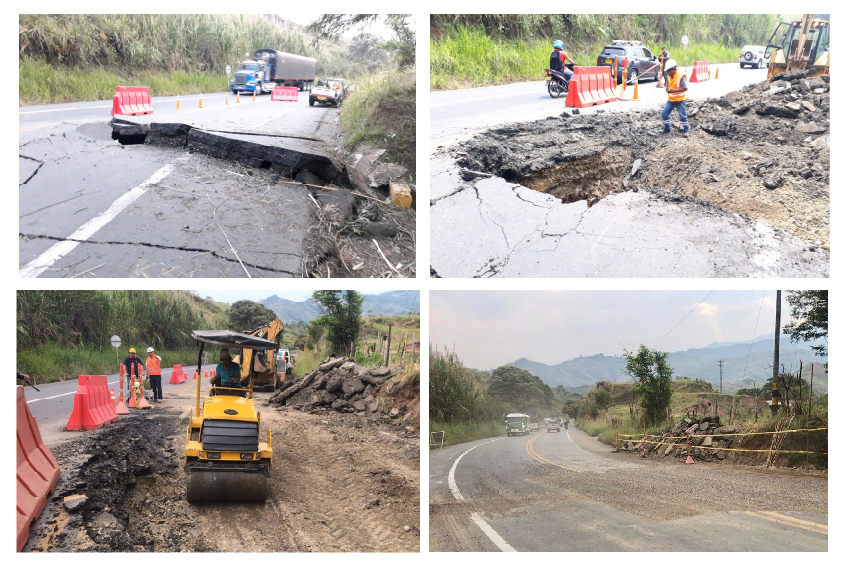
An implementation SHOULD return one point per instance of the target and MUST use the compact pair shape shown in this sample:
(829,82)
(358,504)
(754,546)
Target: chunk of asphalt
(254,150)
(342,201)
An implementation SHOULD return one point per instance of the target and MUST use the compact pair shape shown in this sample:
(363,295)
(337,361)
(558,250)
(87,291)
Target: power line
(752,341)
(683,318)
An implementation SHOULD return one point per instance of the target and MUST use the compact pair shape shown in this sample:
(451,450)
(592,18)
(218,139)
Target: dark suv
(642,63)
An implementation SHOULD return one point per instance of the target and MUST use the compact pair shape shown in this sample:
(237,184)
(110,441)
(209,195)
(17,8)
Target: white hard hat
(149,350)
(670,64)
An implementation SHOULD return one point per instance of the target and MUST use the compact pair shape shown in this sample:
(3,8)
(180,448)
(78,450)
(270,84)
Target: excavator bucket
(222,485)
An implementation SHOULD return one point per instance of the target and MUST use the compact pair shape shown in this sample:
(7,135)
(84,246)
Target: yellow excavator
(799,44)
(224,457)
(270,368)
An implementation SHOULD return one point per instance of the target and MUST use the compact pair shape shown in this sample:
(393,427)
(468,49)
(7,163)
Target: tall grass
(468,431)
(49,362)
(78,57)
(468,57)
(382,113)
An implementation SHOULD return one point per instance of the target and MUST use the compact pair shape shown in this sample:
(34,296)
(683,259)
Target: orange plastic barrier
(700,72)
(131,100)
(92,406)
(37,470)
(590,85)
(285,94)
(178,376)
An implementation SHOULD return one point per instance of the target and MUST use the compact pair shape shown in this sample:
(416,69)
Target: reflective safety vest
(153,366)
(672,84)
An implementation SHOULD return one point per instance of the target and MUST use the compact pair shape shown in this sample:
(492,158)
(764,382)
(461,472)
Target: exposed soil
(762,152)
(339,483)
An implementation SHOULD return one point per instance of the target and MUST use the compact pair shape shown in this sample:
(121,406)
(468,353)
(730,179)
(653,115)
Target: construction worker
(153,371)
(677,85)
(663,58)
(228,372)
(558,58)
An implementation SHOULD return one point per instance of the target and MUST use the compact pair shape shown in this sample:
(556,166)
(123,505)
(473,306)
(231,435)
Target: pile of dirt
(762,152)
(712,441)
(340,384)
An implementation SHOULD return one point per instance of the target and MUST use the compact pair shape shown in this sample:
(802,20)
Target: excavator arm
(266,377)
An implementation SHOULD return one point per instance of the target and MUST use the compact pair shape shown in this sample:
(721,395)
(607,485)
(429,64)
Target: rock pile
(705,432)
(340,384)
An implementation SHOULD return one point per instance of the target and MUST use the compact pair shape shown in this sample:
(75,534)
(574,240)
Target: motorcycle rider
(558,58)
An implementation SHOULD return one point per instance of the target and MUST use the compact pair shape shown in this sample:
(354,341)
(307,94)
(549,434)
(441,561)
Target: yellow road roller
(225,460)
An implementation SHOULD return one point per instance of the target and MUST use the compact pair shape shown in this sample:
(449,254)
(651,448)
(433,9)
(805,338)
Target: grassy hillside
(470,50)
(64,334)
(79,57)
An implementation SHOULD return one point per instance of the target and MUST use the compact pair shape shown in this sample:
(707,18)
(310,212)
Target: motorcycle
(557,84)
(566,425)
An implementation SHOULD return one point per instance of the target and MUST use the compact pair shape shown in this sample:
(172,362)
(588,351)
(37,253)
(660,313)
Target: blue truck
(271,68)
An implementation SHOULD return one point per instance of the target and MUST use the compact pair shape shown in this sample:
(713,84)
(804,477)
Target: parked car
(553,426)
(753,55)
(638,60)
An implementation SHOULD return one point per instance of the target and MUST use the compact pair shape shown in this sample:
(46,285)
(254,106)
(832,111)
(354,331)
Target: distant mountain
(385,304)
(738,371)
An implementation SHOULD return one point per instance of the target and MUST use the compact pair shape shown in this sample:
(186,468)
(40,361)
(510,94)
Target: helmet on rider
(670,64)
(559,45)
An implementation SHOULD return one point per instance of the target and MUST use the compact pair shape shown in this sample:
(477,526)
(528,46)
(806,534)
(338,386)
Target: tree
(810,318)
(341,318)
(602,399)
(403,42)
(653,383)
(364,49)
(315,331)
(520,389)
(248,315)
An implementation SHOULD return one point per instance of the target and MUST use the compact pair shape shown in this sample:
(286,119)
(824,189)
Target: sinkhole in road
(590,178)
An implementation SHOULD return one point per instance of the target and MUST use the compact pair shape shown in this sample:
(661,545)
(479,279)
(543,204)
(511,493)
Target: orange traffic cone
(717,77)
(635,93)
(238,98)
(659,81)
(255,94)
(194,375)
(143,405)
(226,98)
(178,102)
(200,101)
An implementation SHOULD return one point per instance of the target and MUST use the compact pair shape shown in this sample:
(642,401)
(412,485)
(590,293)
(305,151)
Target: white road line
(491,533)
(452,483)
(37,266)
(478,520)
(50,397)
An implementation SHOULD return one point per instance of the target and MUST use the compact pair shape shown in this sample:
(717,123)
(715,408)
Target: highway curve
(567,492)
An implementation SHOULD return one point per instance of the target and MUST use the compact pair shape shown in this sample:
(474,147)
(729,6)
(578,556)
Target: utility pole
(716,397)
(774,407)
(755,394)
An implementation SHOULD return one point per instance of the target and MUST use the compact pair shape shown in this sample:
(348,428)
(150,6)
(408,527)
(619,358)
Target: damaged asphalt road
(600,193)
(93,206)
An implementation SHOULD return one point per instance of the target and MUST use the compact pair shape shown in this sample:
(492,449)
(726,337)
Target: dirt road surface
(568,492)
(339,483)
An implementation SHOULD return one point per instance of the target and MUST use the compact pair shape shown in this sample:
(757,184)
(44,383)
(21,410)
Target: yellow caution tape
(726,434)
(726,449)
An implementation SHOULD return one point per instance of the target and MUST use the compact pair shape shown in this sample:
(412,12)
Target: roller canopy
(234,339)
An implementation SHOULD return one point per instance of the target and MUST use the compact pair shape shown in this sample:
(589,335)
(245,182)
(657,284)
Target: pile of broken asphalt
(762,152)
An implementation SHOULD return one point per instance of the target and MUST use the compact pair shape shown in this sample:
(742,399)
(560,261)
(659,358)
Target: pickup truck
(329,91)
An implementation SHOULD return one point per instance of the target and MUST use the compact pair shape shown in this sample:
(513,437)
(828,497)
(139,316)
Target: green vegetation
(470,431)
(341,319)
(521,391)
(810,318)
(247,315)
(80,57)
(474,50)
(652,375)
(63,334)
(382,113)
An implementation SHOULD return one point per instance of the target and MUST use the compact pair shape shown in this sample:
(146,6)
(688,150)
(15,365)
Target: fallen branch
(88,271)
(337,189)
(383,256)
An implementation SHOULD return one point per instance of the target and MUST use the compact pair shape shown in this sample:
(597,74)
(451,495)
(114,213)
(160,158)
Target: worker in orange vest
(153,371)
(677,86)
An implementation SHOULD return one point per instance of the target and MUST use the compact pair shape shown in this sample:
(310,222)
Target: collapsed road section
(239,192)
(607,194)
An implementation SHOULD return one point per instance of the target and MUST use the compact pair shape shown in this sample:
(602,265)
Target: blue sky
(233,296)
(491,328)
